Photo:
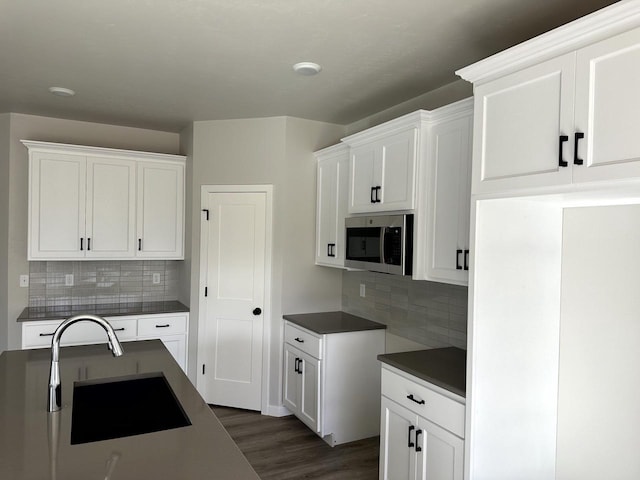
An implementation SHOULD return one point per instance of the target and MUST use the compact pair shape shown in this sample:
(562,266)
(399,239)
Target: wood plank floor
(285,449)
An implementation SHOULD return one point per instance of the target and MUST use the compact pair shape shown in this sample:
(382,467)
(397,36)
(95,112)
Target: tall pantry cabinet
(553,331)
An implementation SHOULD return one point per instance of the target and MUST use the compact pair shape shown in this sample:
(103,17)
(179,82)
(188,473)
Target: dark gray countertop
(31,450)
(31,314)
(444,367)
(333,322)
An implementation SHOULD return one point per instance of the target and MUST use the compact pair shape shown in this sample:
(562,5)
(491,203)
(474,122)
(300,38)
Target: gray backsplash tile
(101,282)
(432,314)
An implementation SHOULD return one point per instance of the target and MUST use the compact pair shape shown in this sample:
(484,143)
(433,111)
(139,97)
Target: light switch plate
(24,281)
(68,280)
(156,278)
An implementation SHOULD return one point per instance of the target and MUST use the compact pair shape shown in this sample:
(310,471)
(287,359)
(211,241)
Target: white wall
(275,151)
(32,127)
(4,221)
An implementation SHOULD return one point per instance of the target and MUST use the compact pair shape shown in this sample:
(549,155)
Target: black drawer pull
(561,162)
(121,329)
(299,340)
(163,326)
(418,447)
(409,442)
(411,397)
(576,160)
(46,334)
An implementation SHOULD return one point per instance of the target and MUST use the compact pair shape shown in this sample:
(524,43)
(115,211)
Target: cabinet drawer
(38,335)
(427,403)
(303,339)
(158,326)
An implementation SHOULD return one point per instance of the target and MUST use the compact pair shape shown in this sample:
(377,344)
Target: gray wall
(275,151)
(4,232)
(31,127)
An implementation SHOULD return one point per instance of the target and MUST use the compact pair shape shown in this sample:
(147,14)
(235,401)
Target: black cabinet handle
(163,326)
(46,334)
(409,442)
(81,244)
(378,190)
(88,243)
(330,250)
(466,259)
(139,244)
(295,365)
(561,162)
(301,361)
(411,397)
(458,253)
(576,160)
(373,193)
(257,311)
(299,340)
(418,447)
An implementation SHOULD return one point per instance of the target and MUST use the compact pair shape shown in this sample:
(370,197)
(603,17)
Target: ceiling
(162,64)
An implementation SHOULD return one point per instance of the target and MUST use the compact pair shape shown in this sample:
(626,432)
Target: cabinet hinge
(206,210)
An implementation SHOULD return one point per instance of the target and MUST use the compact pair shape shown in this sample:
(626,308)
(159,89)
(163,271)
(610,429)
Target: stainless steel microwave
(381,243)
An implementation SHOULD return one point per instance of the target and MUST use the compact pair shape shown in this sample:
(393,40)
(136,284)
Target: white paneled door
(234,256)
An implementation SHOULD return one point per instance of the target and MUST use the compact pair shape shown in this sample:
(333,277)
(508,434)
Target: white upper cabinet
(160,210)
(383,167)
(448,197)
(84,203)
(561,120)
(331,207)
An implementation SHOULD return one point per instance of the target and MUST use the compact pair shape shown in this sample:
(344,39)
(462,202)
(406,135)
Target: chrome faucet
(55,391)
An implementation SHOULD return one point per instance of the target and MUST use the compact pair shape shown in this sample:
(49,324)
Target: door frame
(266,309)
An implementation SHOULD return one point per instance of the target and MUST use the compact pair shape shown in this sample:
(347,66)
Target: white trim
(277,411)
(604,23)
(50,147)
(266,310)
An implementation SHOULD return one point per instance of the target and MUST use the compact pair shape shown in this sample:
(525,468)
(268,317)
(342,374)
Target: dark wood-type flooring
(285,449)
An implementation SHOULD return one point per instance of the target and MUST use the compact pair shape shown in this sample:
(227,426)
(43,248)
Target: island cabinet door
(291,389)
(439,453)
(397,442)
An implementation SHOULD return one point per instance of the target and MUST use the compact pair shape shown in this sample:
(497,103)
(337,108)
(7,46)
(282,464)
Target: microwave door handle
(383,260)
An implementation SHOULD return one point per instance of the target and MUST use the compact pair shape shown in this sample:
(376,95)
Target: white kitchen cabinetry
(422,429)
(383,167)
(171,328)
(446,198)
(331,207)
(89,203)
(570,119)
(331,382)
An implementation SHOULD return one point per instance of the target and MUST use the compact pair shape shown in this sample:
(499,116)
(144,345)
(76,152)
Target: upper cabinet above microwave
(89,203)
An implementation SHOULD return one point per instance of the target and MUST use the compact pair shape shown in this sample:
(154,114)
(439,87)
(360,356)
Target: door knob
(257,311)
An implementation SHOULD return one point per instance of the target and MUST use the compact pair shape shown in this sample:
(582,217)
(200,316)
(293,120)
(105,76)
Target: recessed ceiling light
(307,68)
(62,92)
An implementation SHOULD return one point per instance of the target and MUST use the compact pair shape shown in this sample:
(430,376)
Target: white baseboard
(276,411)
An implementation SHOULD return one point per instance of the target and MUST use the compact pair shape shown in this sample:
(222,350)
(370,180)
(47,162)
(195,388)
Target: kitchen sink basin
(124,406)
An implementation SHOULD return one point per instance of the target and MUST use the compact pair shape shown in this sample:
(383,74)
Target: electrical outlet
(362,290)
(68,280)
(24,281)
(156,278)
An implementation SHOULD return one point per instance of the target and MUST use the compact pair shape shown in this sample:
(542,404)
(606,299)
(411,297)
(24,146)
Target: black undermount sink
(124,406)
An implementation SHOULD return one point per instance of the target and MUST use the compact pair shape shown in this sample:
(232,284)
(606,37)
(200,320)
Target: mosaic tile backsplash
(432,314)
(101,282)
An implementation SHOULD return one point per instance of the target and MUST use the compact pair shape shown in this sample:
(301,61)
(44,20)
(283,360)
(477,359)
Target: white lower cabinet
(331,382)
(421,430)
(172,329)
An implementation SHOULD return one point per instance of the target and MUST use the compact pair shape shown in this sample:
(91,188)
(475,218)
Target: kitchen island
(35,444)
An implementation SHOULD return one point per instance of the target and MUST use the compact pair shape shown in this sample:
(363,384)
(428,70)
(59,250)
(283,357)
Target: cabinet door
(519,119)
(110,217)
(361,180)
(310,391)
(448,202)
(607,106)
(56,206)
(160,223)
(396,172)
(440,454)
(291,387)
(397,442)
